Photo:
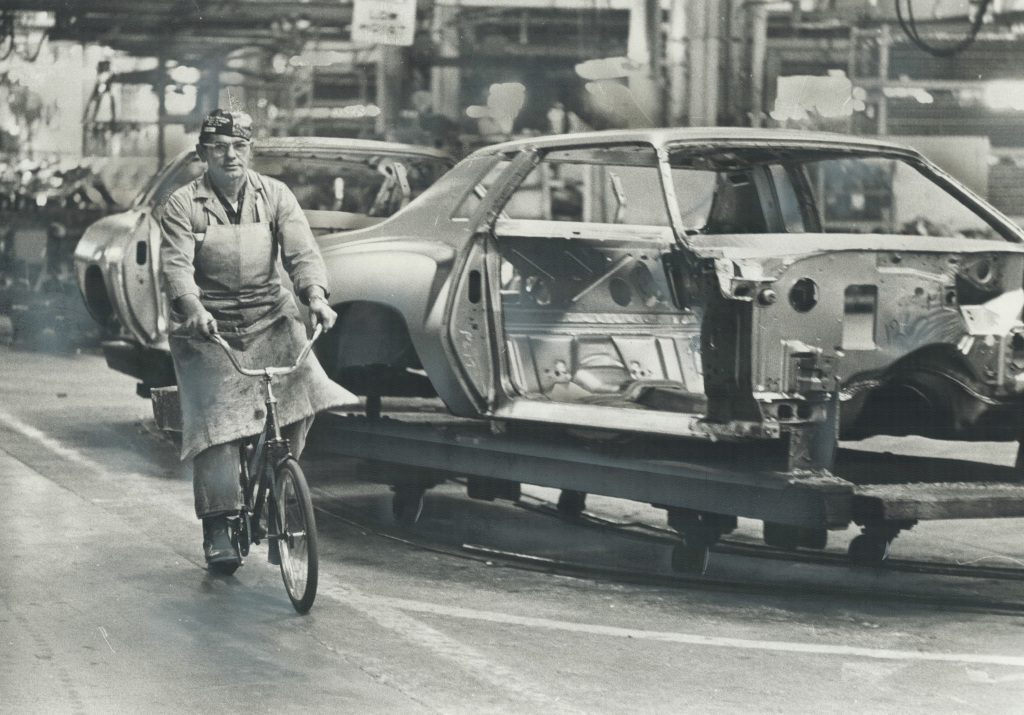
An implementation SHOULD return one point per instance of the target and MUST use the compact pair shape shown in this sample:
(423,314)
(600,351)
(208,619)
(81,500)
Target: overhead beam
(183,30)
(200,10)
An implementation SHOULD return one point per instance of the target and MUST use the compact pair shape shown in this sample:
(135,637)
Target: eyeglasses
(220,149)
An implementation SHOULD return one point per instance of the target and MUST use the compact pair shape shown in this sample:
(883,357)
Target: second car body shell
(411,241)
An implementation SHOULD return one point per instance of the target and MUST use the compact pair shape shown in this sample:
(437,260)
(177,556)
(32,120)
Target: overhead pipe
(677,67)
(758,23)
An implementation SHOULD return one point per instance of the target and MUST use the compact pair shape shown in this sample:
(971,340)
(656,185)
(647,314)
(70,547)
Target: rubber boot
(219,545)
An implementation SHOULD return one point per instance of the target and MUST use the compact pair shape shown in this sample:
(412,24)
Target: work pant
(215,472)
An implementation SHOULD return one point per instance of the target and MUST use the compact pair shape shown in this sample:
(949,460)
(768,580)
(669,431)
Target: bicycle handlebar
(268,371)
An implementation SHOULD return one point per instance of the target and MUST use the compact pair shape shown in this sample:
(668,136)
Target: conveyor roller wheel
(869,550)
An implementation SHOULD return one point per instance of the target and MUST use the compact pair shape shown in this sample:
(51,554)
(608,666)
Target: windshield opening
(375,186)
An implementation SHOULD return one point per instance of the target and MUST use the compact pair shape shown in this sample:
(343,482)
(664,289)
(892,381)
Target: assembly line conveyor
(703,487)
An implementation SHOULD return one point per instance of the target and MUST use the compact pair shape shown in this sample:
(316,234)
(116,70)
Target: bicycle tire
(297,538)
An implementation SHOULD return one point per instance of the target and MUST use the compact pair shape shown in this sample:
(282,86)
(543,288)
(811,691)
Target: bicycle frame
(269,450)
(269,442)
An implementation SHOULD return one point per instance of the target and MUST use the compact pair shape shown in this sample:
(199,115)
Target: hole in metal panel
(141,252)
(475,291)
(803,296)
(860,305)
(621,293)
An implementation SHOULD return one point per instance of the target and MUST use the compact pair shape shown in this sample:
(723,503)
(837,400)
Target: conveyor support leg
(1018,465)
(571,502)
(407,503)
(489,489)
(373,407)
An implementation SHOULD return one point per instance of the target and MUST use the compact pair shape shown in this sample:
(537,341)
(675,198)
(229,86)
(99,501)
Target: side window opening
(737,205)
(758,190)
(790,209)
(618,185)
(809,210)
(873,194)
(695,193)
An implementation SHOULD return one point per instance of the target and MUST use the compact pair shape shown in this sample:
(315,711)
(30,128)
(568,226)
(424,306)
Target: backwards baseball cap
(225,123)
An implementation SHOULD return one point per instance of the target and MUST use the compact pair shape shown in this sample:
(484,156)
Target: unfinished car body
(341,184)
(713,284)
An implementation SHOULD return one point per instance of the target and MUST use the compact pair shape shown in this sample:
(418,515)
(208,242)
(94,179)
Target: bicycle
(276,502)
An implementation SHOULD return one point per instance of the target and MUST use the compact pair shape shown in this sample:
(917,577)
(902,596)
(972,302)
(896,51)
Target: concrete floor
(105,605)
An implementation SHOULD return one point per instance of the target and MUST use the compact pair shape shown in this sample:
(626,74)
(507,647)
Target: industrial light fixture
(1007,94)
(183,74)
(291,29)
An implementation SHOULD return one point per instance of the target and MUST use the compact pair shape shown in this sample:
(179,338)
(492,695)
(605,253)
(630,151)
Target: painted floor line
(391,619)
(45,440)
(698,640)
(466,657)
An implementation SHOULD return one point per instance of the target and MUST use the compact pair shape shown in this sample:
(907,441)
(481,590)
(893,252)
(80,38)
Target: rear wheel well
(916,396)
(371,352)
(936,357)
(97,300)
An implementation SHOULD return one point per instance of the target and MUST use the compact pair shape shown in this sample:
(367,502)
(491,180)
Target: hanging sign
(384,22)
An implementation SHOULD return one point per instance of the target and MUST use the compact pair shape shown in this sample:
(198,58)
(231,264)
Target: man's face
(227,158)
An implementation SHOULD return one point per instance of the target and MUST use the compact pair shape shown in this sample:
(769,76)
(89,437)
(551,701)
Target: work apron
(236,269)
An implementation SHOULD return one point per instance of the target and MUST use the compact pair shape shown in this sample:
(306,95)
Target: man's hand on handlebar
(198,321)
(323,313)
(201,324)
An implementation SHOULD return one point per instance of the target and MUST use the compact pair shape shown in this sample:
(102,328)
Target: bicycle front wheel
(296,534)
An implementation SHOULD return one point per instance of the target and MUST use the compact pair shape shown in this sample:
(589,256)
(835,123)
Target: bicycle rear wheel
(296,534)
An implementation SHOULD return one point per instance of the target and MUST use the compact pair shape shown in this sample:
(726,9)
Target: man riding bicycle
(223,234)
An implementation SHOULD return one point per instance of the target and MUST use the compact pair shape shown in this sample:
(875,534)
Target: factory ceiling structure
(188,31)
(714,61)
(209,35)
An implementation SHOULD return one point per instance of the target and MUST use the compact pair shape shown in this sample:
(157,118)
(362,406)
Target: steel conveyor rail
(719,484)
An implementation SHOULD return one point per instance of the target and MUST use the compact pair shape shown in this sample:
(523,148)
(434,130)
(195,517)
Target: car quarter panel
(409,277)
(103,245)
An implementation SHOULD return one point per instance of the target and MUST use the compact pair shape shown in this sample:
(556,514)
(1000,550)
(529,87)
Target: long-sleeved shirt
(194,207)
